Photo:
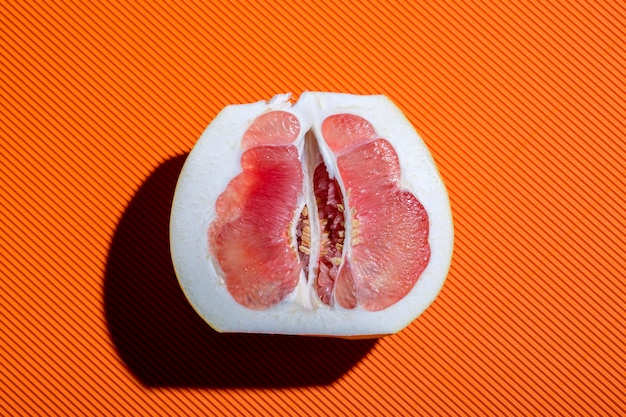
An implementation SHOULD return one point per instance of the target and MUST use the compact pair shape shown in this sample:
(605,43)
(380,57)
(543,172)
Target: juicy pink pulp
(371,265)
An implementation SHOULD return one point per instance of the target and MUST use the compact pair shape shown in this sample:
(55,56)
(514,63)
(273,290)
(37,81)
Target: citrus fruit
(322,217)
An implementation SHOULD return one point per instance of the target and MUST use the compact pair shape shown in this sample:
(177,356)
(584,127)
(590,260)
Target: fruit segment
(330,207)
(250,238)
(344,131)
(389,226)
(272,128)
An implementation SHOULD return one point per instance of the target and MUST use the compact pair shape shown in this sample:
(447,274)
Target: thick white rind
(215,160)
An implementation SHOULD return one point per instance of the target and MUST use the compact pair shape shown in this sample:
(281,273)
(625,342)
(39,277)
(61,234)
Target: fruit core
(353,239)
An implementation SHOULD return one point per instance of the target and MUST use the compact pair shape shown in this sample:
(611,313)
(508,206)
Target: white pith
(215,160)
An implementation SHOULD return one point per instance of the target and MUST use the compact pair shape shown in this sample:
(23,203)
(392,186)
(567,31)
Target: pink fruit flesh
(330,210)
(273,128)
(251,236)
(343,131)
(390,229)
(389,238)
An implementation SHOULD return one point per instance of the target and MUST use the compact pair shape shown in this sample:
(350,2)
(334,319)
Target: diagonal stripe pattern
(522,106)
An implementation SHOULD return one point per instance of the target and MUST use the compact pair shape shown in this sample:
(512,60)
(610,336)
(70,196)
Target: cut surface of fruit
(325,217)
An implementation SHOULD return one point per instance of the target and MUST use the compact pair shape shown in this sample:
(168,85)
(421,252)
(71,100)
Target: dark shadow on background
(165,343)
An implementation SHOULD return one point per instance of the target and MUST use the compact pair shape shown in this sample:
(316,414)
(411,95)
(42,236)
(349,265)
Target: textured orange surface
(523,107)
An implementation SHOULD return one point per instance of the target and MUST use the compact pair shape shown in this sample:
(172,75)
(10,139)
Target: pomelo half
(324,217)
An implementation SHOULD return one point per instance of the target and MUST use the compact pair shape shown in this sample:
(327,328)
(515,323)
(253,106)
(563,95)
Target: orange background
(523,108)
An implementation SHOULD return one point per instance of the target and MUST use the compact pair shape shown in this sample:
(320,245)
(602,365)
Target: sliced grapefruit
(326,217)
